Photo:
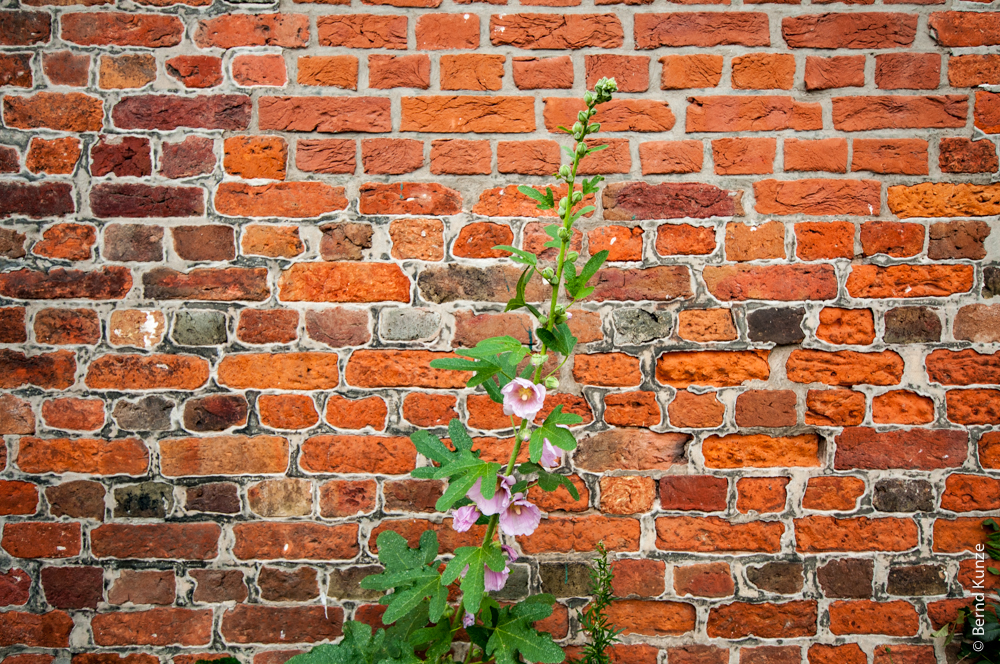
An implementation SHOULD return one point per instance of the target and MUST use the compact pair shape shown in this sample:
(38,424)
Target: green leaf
(552,481)
(474,583)
(520,256)
(431,447)
(514,638)
(553,428)
(550,340)
(459,437)
(493,390)
(402,602)
(456,364)
(591,267)
(488,348)
(395,554)
(542,201)
(597,148)
(457,488)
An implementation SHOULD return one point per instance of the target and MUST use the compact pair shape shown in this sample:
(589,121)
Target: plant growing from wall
(601,634)
(422,622)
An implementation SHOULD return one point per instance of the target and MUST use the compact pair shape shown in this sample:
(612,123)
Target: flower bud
(551,383)
(564,234)
(577,196)
(565,172)
(537,359)
(581,149)
(548,273)
(588,98)
(572,256)
(582,116)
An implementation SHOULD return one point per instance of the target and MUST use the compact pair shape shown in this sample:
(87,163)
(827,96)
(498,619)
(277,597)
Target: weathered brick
(761,451)
(903,281)
(965,28)
(715,534)
(902,112)
(232,30)
(850,30)
(701,29)
(556,31)
(923,449)
(750,113)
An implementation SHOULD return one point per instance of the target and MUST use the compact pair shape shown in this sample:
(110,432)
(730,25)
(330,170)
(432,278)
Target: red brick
(966,71)
(71,111)
(907,156)
(14,587)
(913,449)
(248,623)
(232,30)
(143,587)
(987,112)
(266,70)
(64,68)
(899,112)
(155,627)
(409,198)
(124,456)
(558,534)
(763,71)
(73,413)
(126,71)
(295,541)
(743,156)
(471,72)
(196,71)
(897,239)
(121,155)
(665,157)
(833,493)
(67,326)
(682,72)
(40,630)
(467,113)
(17,498)
(46,370)
(362,31)
(543,73)
(146,372)
(528,157)
(712,534)
(55,157)
(844,368)
(627,495)
(429,410)
(29,539)
(943,199)
(701,29)
(970,493)
(766,408)
(850,30)
(326,114)
(122,29)
(773,282)
(761,451)
(706,580)
(703,493)
(447,31)
(960,155)
(844,71)
(358,454)
(643,578)
(620,115)
(761,494)
(23,28)
(897,618)
(556,31)
(652,618)
(187,541)
(252,157)
(631,72)
(828,155)
(846,326)
(341,498)
(965,28)
(902,407)
(902,281)
(824,240)
(750,113)
(399,71)
(907,71)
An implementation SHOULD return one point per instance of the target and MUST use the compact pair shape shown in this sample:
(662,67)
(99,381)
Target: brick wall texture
(233,237)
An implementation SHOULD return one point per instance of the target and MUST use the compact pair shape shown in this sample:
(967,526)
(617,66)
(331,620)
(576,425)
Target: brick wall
(235,235)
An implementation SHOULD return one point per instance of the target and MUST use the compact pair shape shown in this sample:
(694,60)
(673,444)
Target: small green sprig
(599,630)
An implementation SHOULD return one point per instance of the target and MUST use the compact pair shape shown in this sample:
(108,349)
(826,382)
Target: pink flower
(468,620)
(500,500)
(509,552)
(464,518)
(551,458)
(496,580)
(520,517)
(523,398)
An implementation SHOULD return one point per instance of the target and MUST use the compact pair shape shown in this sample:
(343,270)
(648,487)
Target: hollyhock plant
(520,517)
(464,518)
(498,503)
(522,398)
(424,611)
(551,458)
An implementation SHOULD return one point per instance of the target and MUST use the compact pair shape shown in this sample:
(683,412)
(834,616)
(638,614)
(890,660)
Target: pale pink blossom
(500,500)
(520,517)
(464,518)
(523,398)
(551,458)
(509,552)
(468,620)
(496,580)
